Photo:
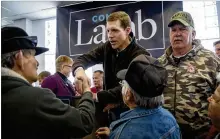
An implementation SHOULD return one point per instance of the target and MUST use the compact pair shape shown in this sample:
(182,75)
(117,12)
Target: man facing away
(142,92)
(31,112)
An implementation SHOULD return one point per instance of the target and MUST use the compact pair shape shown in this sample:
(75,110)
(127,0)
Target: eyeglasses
(67,66)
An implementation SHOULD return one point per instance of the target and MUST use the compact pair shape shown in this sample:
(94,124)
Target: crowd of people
(135,96)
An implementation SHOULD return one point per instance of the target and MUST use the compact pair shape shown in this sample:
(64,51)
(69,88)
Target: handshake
(82,82)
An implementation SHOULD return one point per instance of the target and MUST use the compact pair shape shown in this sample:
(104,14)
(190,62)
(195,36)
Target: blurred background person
(58,83)
(214,110)
(42,76)
(217,47)
(97,81)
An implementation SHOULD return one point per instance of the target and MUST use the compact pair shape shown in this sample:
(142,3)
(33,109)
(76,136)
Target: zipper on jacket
(174,106)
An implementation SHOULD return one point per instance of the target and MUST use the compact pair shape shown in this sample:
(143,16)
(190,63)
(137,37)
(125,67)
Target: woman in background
(58,83)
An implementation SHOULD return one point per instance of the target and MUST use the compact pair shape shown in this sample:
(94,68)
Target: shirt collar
(62,76)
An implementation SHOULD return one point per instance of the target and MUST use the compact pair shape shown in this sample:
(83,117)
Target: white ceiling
(32,10)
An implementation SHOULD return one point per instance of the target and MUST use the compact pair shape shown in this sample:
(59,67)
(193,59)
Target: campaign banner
(83,28)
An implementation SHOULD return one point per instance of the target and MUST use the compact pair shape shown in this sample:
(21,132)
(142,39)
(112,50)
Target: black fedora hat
(14,38)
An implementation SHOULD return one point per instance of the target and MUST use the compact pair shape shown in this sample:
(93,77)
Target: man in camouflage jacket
(192,72)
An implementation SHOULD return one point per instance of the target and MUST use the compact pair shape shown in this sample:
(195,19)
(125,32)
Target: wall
(218,12)
(38,29)
(20,23)
(29,26)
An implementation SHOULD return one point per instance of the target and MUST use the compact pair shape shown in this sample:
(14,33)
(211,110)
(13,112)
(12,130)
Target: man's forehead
(217,45)
(113,24)
(178,24)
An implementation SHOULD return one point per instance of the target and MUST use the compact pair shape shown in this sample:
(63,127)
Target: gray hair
(144,101)
(8,58)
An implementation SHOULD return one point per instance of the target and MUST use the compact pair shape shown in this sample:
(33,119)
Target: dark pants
(101,117)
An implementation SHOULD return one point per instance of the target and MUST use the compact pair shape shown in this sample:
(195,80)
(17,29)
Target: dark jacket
(35,113)
(113,61)
(63,90)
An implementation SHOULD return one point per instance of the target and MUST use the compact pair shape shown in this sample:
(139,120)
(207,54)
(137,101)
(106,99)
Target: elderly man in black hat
(142,93)
(31,112)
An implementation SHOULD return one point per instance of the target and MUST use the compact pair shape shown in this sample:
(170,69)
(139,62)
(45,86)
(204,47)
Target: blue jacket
(142,123)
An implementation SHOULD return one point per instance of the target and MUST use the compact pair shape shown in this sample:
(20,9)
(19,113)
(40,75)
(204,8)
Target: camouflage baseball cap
(183,17)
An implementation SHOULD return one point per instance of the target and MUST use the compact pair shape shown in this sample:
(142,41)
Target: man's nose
(110,35)
(178,33)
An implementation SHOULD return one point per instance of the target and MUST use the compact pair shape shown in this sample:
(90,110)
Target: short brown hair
(123,17)
(62,59)
(217,42)
(44,74)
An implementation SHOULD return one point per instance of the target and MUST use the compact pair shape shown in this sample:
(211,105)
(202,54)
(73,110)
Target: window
(50,42)
(50,56)
(206,22)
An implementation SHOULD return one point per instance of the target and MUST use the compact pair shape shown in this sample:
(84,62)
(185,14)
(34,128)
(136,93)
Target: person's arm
(74,122)
(86,60)
(110,96)
(70,121)
(91,58)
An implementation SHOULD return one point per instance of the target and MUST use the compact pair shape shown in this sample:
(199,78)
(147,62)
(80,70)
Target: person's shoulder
(50,79)
(162,58)
(167,115)
(138,49)
(29,94)
(105,45)
(208,55)
(35,90)
(206,51)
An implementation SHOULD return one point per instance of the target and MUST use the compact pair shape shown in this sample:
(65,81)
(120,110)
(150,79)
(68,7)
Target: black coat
(113,61)
(35,113)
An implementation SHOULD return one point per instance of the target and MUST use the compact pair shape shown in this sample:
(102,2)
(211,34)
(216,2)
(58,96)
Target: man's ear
(128,30)
(130,95)
(19,60)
